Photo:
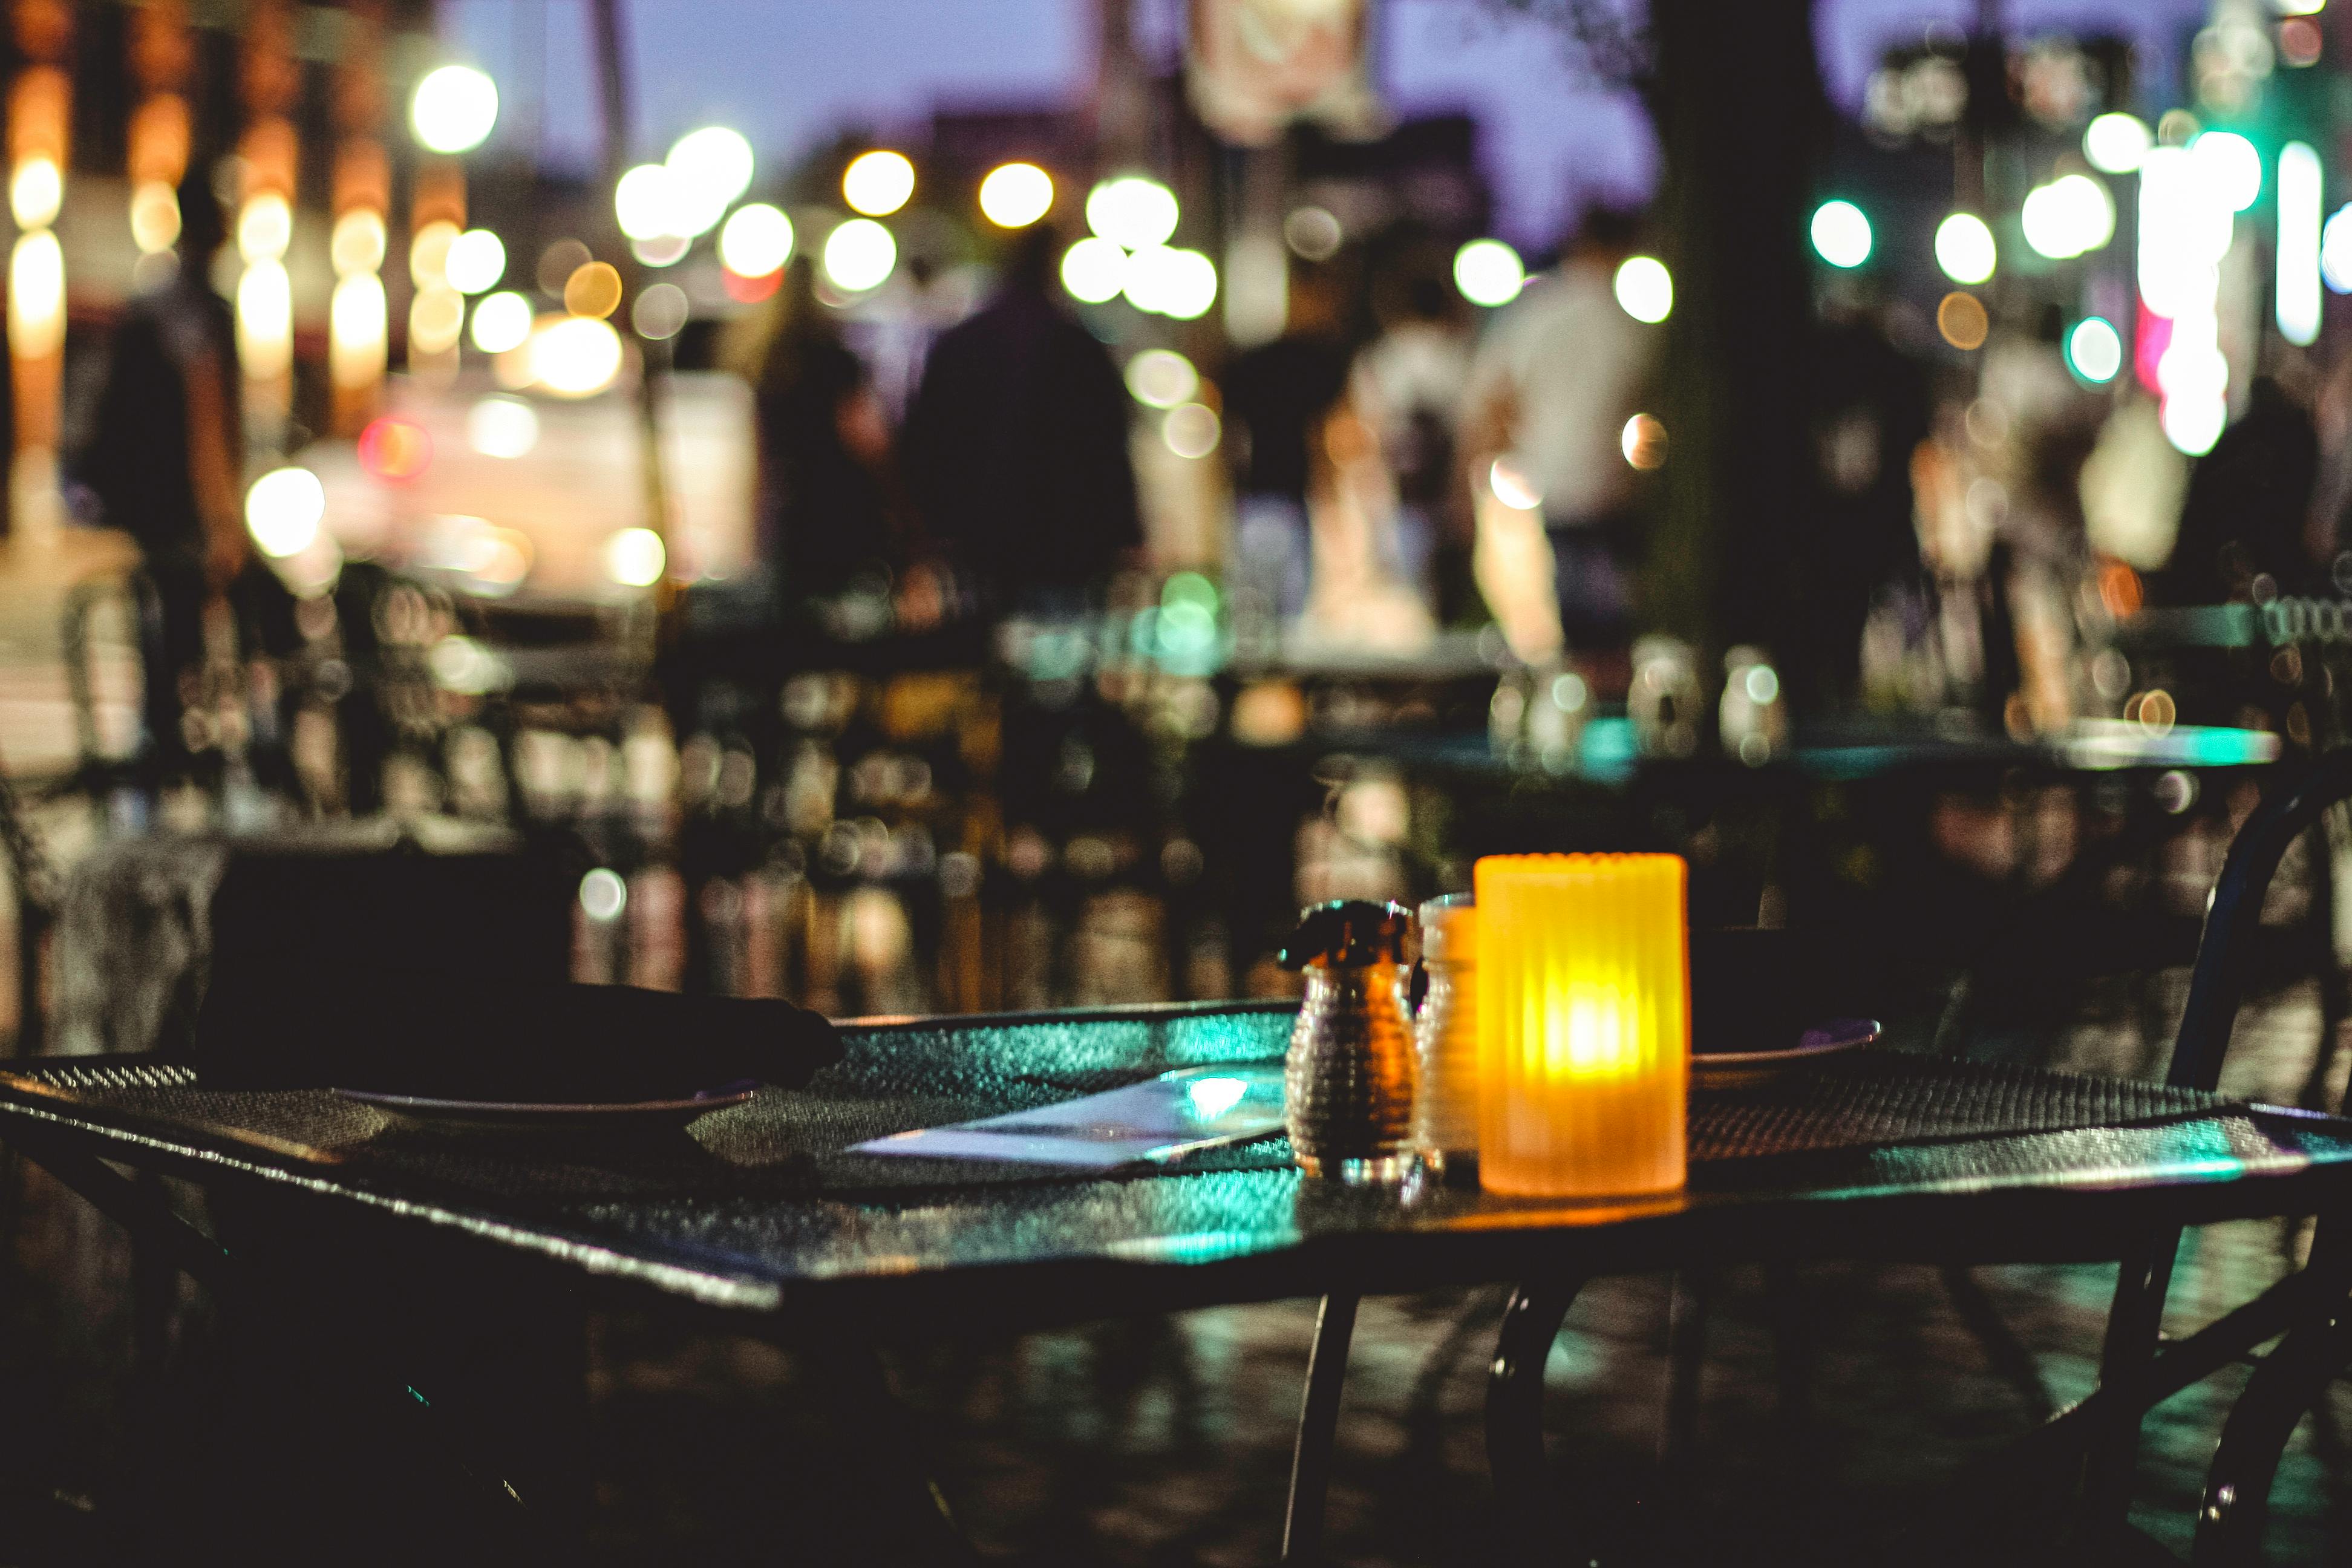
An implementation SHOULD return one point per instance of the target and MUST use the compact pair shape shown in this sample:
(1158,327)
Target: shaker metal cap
(1449,929)
(1347,934)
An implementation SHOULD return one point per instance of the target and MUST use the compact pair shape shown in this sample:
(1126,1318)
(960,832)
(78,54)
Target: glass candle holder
(1583,1023)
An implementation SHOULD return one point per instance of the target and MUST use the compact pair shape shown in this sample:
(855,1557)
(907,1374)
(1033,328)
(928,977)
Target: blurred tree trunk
(1742,121)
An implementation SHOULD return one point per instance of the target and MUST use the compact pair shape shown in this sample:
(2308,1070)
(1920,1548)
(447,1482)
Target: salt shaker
(1445,1099)
(1348,1082)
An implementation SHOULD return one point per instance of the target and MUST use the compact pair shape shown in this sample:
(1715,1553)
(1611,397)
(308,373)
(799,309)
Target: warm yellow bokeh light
(1015,196)
(877,184)
(594,291)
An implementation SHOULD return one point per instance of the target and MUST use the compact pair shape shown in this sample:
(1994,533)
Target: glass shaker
(1445,1099)
(1348,1082)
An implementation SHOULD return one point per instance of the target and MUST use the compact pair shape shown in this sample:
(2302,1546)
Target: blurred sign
(1257,65)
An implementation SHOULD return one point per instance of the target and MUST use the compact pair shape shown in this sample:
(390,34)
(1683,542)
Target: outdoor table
(763,1218)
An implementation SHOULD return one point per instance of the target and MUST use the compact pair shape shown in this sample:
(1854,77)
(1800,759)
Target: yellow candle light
(1583,1023)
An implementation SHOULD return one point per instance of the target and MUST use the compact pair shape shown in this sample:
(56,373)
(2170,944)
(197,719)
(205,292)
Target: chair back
(2289,808)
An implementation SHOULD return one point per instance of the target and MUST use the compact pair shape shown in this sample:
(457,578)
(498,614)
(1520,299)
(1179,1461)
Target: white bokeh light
(1093,270)
(1644,288)
(501,321)
(1133,211)
(476,260)
(283,510)
(1840,234)
(454,109)
(1965,249)
(877,184)
(1489,273)
(859,254)
(1015,196)
(757,240)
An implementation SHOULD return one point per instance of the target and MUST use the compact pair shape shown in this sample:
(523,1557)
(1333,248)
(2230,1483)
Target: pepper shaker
(1348,1082)
(1445,1099)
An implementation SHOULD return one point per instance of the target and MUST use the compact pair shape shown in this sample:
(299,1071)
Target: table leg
(2125,1359)
(1515,1385)
(1686,1366)
(1319,1422)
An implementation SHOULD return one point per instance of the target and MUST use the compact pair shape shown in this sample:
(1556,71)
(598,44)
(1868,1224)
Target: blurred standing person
(1554,381)
(1278,396)
(1016,446)
(1408,384)
(825,513)
(2247,512)
(164,458)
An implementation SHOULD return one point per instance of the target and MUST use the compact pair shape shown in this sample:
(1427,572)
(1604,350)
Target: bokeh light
(357,323)
(877,184)
(2193,423)
(603,894)
(356,244)
(1508,479)
(1161,378)
(1133,211)
(265,317)
(37,293)
(1965,248)
(1489,273)
(36,191)
(1840,234)
(635,558)
(1170,282)
(2298,304)
(1313,232)
(2095,349)
(436,319)
(2116,142)
(505,427)
(709,169)
(501,321)
(1190,430)
(576,356)
(1015,196)
(1093,270)
(859,254)
(1643,442)
(2067,217)
(2228,167)
(155,220)
(1962,319)
(428,253)
(476,260)
(645,201)
(283,510)
(660,311)
(594,291)
(393,449)
(1645,289)
(757,240)
(265,227)
(2336,251)
(454,109)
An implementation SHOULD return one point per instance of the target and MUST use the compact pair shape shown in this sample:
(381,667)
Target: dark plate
(505,1116)
(1738,1070)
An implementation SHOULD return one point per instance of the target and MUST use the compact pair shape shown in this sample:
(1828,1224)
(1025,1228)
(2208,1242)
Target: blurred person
(1278,398)
(1559,372)
(2246,514)
(1407,384)
(163,460)
(1870,414)
(824,515)
(1016,446)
